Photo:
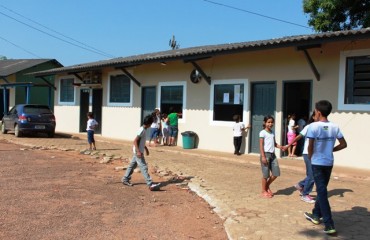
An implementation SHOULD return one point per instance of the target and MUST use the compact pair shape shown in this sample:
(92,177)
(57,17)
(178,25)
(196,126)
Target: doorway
(263,103)
(148,101)
(93,97)
(296,100)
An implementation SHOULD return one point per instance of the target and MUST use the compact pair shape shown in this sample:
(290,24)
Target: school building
(209,84)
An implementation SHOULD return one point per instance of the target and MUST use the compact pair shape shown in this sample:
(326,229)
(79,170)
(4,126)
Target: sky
(83,31)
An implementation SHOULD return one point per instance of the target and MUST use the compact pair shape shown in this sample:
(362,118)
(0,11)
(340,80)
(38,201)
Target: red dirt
(65,195)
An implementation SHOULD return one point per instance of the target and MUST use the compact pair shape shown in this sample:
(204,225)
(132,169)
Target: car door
(10,118)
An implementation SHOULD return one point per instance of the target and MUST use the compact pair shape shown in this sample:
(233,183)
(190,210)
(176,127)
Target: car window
(37,110)
(13,111)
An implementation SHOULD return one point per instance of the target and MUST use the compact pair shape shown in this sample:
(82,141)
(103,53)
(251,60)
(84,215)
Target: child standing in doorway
(291,134)
(91,125)
(269,162)
(238,130)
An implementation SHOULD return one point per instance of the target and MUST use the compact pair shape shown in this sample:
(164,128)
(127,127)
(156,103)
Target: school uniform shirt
(141,134)
(269,141)
(306,140)
(91,124)
(325,135)
(238,129)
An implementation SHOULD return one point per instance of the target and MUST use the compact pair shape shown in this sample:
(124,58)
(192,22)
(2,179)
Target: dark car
(29,118)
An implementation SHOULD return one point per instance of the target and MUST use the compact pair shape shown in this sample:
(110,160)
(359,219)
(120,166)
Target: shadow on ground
(351,224)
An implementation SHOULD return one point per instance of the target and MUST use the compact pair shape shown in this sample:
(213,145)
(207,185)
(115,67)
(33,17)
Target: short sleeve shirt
(325,135)
(304,133)
(238,129)
(291,125)
(142,135)
(173,119)
(269,141)
(91,123)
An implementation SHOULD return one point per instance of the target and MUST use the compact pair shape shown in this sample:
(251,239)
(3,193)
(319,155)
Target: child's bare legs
(289,151)
(269,181)
(293,151)
(265,188)
(94,147)
(266,182)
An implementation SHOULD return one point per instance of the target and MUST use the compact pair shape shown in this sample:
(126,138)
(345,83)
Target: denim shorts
(173,131)
(90,136)
(272,165)
(154,133)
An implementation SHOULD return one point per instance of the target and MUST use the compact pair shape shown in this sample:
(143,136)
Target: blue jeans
(308,182)
(322,209)
(143,167)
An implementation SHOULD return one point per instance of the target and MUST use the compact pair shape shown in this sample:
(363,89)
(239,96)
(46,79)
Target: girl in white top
(269,162)
(291,134)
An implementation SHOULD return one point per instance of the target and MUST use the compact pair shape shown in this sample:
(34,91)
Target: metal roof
(214,50)
(12,66)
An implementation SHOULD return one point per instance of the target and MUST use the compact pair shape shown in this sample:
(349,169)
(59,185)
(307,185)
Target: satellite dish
(195,76)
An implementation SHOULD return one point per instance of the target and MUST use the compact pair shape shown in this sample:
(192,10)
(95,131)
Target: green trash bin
(188,140)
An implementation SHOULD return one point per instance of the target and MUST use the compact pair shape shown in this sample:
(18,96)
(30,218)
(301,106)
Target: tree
(336,15)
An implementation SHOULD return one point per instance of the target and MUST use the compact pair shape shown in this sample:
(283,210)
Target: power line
(52,30)
(6,40)
(56,37)
(257,14)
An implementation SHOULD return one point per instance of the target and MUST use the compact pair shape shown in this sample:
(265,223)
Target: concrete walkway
(231,184)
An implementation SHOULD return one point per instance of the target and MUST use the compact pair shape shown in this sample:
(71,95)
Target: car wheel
(51,134)
(3,130)
(17,132)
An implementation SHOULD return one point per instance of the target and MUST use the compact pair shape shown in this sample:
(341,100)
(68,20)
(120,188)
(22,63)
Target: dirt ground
(65,195)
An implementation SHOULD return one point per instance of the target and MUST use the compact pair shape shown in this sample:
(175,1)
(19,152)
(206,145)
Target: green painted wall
(38,95)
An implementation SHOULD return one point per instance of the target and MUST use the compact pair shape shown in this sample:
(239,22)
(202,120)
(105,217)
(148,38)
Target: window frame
(342,81)
(175,83)
(60,102)
(245,101)
(119,104)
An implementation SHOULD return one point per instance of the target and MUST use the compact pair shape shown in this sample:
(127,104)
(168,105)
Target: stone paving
(231,184)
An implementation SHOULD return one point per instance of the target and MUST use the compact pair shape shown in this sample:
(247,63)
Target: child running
(268,158)
(138,158)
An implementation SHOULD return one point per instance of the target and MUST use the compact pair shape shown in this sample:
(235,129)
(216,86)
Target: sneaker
(330,230)
(310,217)
(127,183)
(154,187)
(308,199)
(299,188)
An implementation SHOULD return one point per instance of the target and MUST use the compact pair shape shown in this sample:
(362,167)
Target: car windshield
(37,110)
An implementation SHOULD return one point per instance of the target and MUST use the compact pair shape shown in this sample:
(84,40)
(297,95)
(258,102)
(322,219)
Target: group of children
(164,126)
(320,138)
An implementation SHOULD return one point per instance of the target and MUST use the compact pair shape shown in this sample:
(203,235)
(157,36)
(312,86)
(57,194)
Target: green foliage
(336,15)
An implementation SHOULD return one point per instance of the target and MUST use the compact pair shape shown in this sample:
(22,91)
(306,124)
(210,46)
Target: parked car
(29,118)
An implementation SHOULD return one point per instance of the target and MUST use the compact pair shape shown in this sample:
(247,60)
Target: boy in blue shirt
(322,136)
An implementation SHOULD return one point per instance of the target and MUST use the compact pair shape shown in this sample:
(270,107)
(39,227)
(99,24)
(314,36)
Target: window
(172,94)
(228,99)
(120,90)
(358,80)
(67,91)
(354,80)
